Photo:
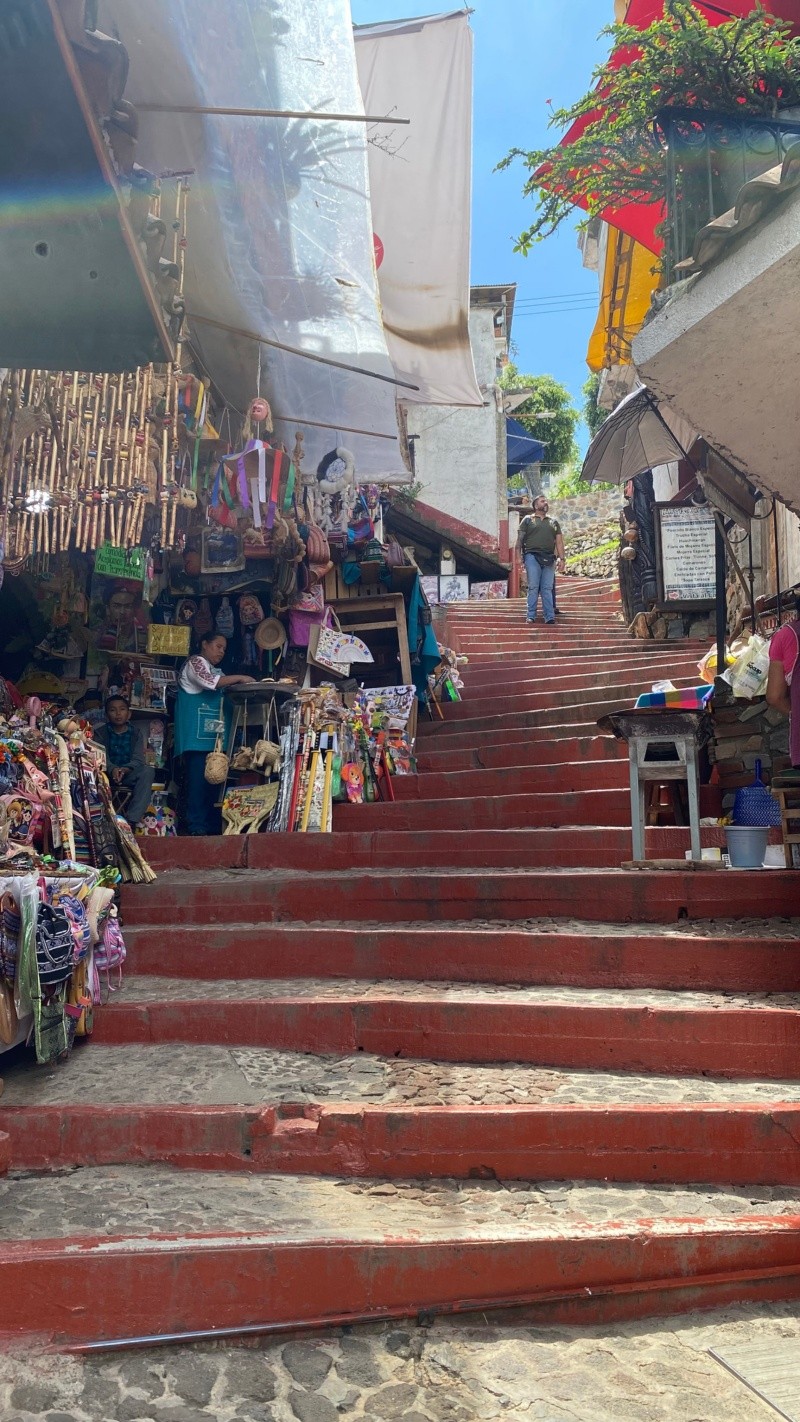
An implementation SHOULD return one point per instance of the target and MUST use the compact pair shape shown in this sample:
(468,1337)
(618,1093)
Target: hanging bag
(217,764)
(334,650)
(54,946)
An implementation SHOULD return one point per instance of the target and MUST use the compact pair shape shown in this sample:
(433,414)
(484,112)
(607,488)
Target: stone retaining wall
(584,512)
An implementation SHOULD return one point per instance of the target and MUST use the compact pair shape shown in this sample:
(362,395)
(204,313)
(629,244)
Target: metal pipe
(777,557)
(721,600)
(266,113)
(293,350)
(759,1274)
(751,578)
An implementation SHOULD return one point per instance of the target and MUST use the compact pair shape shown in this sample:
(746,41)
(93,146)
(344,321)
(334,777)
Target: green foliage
(598,552)
(593,416)
(558,434)
(570,483)
(745,65)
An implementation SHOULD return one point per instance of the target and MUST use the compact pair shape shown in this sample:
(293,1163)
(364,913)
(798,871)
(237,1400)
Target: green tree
(593,415)
(557,433)
(744,65)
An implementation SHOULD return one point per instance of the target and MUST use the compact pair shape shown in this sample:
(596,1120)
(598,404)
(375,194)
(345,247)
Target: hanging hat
(270,635)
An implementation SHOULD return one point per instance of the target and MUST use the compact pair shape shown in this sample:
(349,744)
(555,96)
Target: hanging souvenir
(203,622)
(223,621)
(250,610)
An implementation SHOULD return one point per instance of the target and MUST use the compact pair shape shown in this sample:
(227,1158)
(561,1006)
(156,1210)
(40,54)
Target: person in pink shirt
(783,681)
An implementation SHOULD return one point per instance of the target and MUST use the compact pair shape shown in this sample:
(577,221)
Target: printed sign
(687,563)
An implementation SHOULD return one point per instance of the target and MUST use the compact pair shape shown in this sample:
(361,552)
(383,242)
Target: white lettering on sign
(687,553)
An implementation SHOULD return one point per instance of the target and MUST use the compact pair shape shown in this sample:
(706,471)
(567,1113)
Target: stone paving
(142,1200)
(716,928)
(250,1076)
(450,1371)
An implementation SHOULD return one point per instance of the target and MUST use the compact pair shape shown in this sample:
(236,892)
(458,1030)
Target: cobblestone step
(144,1251)
(751,955)
(504,1368)
(176,1073)
(629,1030)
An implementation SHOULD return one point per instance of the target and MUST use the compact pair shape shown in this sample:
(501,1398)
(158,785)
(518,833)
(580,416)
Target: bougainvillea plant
(749,65)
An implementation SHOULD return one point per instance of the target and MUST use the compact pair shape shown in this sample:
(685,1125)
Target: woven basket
(216,771)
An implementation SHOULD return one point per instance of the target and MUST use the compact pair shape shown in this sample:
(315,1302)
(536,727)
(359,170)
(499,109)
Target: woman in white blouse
(199,715)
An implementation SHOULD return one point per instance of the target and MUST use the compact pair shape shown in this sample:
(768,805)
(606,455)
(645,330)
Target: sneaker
(529,621)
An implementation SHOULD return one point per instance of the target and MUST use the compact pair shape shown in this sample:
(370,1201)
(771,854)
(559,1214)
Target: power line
(556,296)
(556,311)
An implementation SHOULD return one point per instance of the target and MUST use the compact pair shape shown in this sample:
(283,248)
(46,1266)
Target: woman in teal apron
(200,714)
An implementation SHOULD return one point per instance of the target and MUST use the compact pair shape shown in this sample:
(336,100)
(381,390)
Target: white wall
(460,453)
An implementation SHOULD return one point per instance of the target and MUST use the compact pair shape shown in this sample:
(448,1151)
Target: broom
(133,864)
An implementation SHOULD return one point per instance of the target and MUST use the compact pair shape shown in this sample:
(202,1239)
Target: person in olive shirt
(541,543)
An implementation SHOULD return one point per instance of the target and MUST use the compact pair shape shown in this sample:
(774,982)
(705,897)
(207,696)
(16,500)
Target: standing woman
(783,682)
(198,715)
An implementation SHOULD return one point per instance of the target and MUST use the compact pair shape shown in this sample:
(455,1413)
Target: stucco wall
(457,453)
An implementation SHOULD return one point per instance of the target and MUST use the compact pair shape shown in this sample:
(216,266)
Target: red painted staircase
(331,1053)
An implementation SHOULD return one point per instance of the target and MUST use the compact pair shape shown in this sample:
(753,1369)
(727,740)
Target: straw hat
(270,635)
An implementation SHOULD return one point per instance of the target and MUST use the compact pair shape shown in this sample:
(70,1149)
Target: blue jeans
(540,581)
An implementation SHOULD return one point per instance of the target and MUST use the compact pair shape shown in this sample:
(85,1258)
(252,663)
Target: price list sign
(687,561)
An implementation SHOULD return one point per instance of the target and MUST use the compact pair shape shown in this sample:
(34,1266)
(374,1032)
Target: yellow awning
(628,283)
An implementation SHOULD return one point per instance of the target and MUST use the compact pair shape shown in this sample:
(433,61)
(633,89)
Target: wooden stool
(662,750)
(786,789)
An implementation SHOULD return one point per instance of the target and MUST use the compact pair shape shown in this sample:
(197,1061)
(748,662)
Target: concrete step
(537,676)
(300,1250)
(723,955)
(483,727)
(550,698)
(436,896)
(294,1083)
(506,733)
(532,808)
(515,780)
(725,1146)
(607,1029)
(525,751)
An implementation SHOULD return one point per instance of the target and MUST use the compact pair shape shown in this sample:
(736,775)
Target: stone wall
(583,513)
(744,732)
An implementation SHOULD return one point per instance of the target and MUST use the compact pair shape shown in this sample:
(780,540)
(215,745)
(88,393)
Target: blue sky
(526,52)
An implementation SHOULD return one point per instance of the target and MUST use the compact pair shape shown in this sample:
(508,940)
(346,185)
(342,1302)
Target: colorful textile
(688,698)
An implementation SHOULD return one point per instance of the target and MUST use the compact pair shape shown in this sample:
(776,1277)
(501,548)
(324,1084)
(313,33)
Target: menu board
(687,548)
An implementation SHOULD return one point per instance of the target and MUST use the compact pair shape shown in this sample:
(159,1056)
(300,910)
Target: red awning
(640,220)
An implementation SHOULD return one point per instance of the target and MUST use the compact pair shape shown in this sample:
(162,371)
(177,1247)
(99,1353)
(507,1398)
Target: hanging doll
(336,474)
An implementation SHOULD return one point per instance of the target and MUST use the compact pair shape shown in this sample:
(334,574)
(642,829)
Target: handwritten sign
(113,562)
(688,570)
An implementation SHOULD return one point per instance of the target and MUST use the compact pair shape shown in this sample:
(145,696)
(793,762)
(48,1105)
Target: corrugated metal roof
(755,200)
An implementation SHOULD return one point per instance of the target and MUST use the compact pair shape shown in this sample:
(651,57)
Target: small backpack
(109,954)
(55,946)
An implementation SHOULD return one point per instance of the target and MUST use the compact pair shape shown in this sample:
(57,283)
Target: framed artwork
(430,586)
(489,592)
(454,588)
(222,551)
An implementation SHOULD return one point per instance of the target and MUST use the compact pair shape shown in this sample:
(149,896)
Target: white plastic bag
(748,675)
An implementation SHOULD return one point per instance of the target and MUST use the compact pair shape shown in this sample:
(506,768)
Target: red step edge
(736,1144)
(107,1288)
(728,1042)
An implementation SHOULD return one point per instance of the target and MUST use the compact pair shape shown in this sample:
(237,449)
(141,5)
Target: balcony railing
(709,158)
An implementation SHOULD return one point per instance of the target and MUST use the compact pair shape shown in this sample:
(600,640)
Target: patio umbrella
(640,434)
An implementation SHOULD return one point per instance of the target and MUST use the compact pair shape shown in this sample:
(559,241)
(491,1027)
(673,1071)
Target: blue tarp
(521,448)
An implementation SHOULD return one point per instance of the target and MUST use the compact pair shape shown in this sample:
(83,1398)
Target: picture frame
(454,588)
(221,550)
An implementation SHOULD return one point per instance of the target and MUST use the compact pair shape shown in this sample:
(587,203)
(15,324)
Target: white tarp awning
(280,235)
(421,188)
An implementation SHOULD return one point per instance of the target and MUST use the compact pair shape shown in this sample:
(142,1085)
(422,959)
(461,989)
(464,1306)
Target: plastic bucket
(747,846)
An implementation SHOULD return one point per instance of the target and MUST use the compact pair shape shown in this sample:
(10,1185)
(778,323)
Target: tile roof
(755,200)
